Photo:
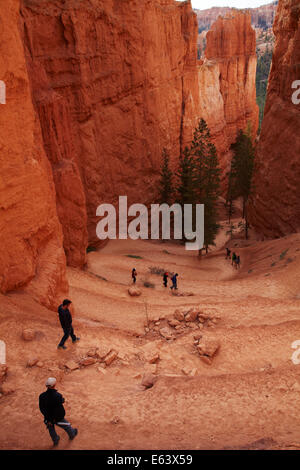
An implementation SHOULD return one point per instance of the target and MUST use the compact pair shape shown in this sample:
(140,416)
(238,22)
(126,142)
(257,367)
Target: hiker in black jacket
(65,319)
(51,406)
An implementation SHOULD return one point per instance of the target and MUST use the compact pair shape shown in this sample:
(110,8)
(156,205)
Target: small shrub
(283,254)
(90,249)
(134,256)
(149,284)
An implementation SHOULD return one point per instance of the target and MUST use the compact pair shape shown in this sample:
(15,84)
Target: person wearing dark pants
(174,282)
(133,275)
(65,319)
(165,279)
(51,406)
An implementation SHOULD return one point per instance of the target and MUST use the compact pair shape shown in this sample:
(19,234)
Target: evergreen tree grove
(242,167)
(166,188)
(206,179)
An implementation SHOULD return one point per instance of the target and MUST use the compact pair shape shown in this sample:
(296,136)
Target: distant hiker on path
(228,253)
(238,262)
(165,279)
(133,275)
(51,406)
(233,259)
(174,281)
(65,319)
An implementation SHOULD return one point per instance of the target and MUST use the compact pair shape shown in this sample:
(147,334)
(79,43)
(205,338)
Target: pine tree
(185,175)
(207,179)
(186,184)
(166,188)
(243,169)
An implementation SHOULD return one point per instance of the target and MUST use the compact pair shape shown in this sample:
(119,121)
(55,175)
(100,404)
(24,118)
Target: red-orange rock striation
(129,76)
(108,85)
(231,48)
(276,207)
(31,252)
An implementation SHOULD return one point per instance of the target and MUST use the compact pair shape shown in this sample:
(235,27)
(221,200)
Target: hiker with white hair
(51,406)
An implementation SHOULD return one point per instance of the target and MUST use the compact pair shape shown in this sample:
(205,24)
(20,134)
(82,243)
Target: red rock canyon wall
(276,207)
(108,84)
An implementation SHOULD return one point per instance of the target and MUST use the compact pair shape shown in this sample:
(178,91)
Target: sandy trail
(249,393)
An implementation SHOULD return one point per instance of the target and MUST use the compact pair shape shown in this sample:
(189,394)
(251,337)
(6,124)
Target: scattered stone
(193,372)
(147,330)
(197,336)
(71,365)
(153,357)
(103,351)
(174,323)
(192,315)
(178,327)
(148,380)
(28,334)
(166,333)
(151,369)
(40,364)
(208,348)
(111,357)
(93,353)
(3,371)
(185,371)
(103,371)
(137,376)
(115,420)
(200,326)
(32,362)
(88,361)
(134,292)
(157,323)
(6,389)
(179,315)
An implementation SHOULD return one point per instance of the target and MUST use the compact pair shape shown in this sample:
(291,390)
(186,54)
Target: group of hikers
(165,279)
(234,257)
(51,401)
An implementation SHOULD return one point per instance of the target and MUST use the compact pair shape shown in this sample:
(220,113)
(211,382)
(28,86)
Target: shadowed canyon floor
(248,397)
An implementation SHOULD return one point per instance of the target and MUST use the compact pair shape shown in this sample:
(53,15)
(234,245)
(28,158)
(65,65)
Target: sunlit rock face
(275,208)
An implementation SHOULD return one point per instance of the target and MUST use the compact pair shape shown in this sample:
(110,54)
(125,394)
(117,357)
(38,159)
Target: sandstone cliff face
(97,88)
(276,207)
(127,76)
(119,68)
(262,16)
(230,52)
(31,252)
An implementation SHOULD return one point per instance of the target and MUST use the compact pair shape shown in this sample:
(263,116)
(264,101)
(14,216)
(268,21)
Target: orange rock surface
(276,207)
(31,253)
(231,48)
(95,91)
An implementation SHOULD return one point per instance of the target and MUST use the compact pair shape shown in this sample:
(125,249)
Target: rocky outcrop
(227,82)
(31,252)
(129,83)
(261,17)
(275,208)
(96,90)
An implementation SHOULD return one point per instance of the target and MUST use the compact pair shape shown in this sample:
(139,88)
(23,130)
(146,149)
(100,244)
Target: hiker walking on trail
(228,253)
(65,319)
(165,279)
(238,262)
(51,406)
(233,258)
(133,275)
(174,281)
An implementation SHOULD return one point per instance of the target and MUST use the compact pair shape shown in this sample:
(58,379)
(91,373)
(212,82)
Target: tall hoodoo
(276,207)
(31,251)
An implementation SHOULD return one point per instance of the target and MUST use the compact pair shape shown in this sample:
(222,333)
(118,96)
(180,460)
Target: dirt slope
(250,393)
